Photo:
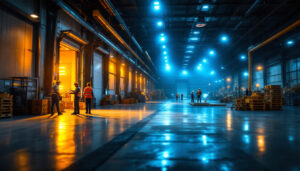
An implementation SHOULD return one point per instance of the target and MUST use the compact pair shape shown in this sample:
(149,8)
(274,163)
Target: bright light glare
(222,68)
(204,60)
(246,74)
(187,57)
(165,52)
(224,38)
(164,46)
(184,72)
(160,23)
(156,3)
(243,57)
(290,42)
(194,38)
(212,72)
(189,51)
(166,57)
(205,7)
(211,52)
(168,68)
(198,68)
(190,47)
(205,95)
(162,39)
(196,32)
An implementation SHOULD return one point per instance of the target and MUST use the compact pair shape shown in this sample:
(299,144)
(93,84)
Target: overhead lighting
(166,61)
(162,39)
(162,34)
(165,52)
(187,57)
(211,52)
(189,51)
(205,7)
(200,25)
(224,38)
(34,16)
(243,57)
(198,67)
(168,68)
(204,60)
(164,46)
(290,42)
(194,38)
(184,72)
(245,74)
(166,57)
(160,23)
(196,32)
(222,68)
(156,5)
(190,47)
(212,72)
(228,79)
(259,68)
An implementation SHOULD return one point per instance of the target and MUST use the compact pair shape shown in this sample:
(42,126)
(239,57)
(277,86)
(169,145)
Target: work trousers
(76,106)
(199,98)
(55,102)
(88,105)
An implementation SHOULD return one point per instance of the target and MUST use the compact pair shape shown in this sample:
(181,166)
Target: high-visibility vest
(88,92)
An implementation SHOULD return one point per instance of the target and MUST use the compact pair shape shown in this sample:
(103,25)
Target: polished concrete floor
(176,137)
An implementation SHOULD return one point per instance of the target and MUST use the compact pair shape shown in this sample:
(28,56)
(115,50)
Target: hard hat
(58,81)
(75,83)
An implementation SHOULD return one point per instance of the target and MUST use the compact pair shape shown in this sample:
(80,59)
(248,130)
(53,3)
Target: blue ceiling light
(166,57)
(199,67)
(160,23)
(204,60)
(194,38)
(211,52)
(196,32)
(205,7)
(165,52)
(168,68)
(164,46)
(243,57)
(162,34)
(190,47)
(290,42)
(166,61)
(184,72)
(162,39)
(187,57)
(222,68)
(224,38)
(212,72)
(189,51)
(245,74)
(156,5)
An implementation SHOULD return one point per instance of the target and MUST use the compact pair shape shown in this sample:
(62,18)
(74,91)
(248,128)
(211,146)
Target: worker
(192,97)
(55,96)
(181,96)
(77,94)
(88,95)
(177,96)
(199,93)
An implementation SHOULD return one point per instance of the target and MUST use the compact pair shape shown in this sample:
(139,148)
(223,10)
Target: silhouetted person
(88,96)
(177,96)
(77,95)
(192,97)
(199,93)
(55,96)
(247,92)
(181,96)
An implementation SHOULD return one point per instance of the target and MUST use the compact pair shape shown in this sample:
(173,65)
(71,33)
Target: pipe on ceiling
(115,12)
(67,9)
(97,15)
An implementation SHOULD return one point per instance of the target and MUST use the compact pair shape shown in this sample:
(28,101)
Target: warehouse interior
(172,84)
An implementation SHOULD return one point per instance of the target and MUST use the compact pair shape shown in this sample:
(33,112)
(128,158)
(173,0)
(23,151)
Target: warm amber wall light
(35,16)
(259,68)
(228,79)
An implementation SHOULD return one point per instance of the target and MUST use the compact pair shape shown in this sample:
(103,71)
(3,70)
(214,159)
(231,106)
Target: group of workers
(199,93)
(87,93)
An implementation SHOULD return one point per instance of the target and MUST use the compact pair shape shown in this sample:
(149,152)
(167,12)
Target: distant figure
(55,96)
(192,97)
(181,96)
(177,96)
(199,93)
(88,95)
(77,95)
(247,92)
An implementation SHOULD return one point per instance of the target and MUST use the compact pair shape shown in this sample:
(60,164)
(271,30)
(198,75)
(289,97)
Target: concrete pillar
(88,60)
(118,74)
(49,47)
(105,63)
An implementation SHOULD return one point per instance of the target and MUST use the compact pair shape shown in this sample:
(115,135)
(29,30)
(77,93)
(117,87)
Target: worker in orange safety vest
(88,95)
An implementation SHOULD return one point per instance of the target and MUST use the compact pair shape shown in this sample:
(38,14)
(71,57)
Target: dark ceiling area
(244,22)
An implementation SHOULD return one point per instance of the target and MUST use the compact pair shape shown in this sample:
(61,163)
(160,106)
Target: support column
(126,81)
(118,75)
(133,88)
(105,63)
(88,60)
(49,47)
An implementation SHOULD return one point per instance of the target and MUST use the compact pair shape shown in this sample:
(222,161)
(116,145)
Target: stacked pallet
(242,103)
(257,101)
(38,107)
(6,105)
(273,97)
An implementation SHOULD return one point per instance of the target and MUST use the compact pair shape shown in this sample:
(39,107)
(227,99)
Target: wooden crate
(6,105)
(273,97)
(38,107)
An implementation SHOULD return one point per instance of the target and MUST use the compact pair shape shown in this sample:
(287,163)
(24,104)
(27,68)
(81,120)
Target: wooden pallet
(6,105)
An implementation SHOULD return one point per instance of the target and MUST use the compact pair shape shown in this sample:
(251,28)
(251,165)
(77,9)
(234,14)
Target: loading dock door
(97,77)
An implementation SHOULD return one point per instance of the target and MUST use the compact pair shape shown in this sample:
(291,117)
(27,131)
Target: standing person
(77,95)
(192,97)
(181,96)
(55,96)
(88,95)
(177,96)
(199,93)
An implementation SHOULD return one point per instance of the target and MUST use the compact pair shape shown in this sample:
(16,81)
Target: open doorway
(67,69)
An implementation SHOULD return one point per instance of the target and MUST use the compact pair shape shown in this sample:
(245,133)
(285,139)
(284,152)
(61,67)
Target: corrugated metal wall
(15,47)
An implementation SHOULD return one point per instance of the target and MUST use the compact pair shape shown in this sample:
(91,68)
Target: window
(122,78)
(130,81)
(274,75)
(112,77)
(258,79)
(293,72)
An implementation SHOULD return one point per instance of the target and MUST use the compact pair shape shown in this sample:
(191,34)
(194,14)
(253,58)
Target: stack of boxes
(38,107)
(6,105)
(273,97)
(257,101)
